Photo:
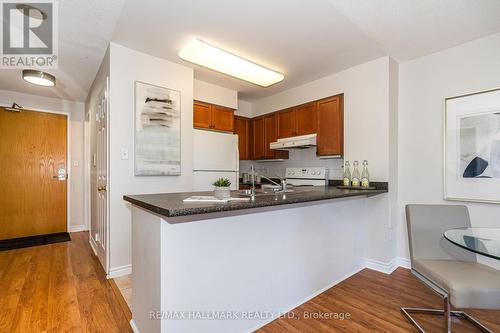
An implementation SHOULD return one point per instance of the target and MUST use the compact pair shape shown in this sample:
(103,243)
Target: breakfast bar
(270,254)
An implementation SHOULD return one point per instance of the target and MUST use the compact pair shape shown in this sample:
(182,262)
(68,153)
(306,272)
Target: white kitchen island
(207,268)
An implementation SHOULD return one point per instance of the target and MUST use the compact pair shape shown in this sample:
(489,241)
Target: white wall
(244,109)
(127,66)
(210,93)
(76,111)
(423,85)
(366,110)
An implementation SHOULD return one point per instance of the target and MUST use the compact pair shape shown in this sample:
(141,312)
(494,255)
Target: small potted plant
(222,188)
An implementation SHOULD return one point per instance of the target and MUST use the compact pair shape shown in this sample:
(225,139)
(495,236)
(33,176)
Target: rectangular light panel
(201,53)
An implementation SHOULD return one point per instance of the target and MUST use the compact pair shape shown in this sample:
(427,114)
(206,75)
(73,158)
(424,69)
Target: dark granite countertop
(171,204)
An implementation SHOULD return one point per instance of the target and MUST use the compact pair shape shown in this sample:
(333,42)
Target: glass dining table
(485,241)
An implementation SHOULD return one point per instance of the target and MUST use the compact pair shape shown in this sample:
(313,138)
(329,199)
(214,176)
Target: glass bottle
(346,181)
(365,175)
(355,175)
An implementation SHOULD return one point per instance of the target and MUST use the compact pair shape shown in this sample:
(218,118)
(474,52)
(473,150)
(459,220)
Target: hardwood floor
(62,288)
(57,288)
(373,301)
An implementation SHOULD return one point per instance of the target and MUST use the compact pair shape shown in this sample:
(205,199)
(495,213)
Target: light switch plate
(124,154)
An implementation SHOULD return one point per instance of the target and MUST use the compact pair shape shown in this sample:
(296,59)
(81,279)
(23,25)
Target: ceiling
(85,29)
(409,29)
(303,39)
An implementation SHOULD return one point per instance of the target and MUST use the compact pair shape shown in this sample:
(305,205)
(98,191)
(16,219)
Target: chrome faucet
(282,186)
(272,181)
(252,189)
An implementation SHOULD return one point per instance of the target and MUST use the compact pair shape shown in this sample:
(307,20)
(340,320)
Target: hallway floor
(57,288)
(62,288)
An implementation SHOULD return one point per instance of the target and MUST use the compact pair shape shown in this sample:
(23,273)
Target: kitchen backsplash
(298,158)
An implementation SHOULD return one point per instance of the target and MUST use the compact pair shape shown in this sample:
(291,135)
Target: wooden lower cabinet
(330,139)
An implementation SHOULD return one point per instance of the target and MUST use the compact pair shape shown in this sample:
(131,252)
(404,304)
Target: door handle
(101,188)
(61,174)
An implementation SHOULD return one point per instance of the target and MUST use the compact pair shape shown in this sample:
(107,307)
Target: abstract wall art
(472,147)
(157,131)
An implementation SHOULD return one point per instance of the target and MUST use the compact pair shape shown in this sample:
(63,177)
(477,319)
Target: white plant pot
(222,192)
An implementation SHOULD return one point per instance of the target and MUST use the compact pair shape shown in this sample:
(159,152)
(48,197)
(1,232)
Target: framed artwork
(472,147)
(157,142)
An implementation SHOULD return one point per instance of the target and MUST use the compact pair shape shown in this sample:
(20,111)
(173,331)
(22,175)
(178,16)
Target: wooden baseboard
(121,300)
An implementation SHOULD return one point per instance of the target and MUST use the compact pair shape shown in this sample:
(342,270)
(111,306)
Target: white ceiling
(409,29)
(85,29)
(303,39)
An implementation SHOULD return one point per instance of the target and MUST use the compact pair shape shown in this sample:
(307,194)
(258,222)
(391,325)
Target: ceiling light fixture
(39,78)
(206,55)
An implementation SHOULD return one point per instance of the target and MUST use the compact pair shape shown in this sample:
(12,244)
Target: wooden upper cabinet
(330,126)
(324,117)
(222,118)
(242,129)
(214,117)
(306,119)
(202,115)
(258,151)
(270,134)
(286,123)
(300,120)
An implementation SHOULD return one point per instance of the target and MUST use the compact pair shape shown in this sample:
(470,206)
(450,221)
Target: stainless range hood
(294,142)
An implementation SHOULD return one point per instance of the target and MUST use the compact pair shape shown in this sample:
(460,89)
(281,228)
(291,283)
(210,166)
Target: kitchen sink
(260,193)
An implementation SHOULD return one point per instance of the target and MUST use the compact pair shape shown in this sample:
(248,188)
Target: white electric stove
(307,176)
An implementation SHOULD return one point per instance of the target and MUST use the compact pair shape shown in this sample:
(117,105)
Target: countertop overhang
(171,205)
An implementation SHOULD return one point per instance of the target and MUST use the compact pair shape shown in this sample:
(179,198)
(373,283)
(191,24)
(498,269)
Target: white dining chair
(450,271)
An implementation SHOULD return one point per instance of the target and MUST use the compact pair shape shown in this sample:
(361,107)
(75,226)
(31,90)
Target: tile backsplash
(298,158)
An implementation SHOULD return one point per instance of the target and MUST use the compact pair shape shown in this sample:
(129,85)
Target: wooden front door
(33,173)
